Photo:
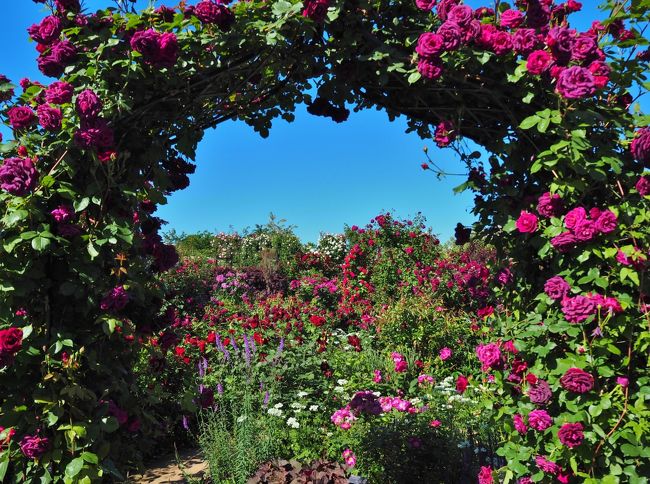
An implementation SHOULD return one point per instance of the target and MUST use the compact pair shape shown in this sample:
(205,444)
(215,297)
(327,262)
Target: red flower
(317,320)
(461,384)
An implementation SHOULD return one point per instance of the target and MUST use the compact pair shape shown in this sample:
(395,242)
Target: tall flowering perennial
(552,106)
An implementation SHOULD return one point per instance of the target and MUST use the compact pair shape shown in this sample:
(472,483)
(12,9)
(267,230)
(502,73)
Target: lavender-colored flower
(18,176)
(219,388)
(267,397)
(186,422)
(247,351)
(540,393)
(203,366)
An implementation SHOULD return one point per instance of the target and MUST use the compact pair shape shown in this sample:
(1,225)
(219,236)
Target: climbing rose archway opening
(562,194)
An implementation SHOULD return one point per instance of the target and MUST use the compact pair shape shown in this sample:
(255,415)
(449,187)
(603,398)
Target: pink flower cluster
(541,36)
(157,49)
(583,227)
(349,458)
(343,418)
(401,364)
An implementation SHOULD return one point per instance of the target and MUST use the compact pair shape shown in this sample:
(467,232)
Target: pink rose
(526,223)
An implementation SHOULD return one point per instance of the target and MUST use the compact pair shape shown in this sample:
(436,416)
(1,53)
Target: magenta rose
(430,68)
(445,354)
(501,42)
(538,62)
(550,205)
(11,340)
(18,176)
(485,475)
(460,15)
(445,134)
(60,54)
(426,5)
(557,288)
(59,93)
(21,117)
(50,118)
(34,446)
(577,380)
(519,424)
(471,31)
(540,393)
(577,309)
(560,40)
(574,217)
(489,355)
(316,10)
(526,223)
(211,12)
(570,434)
(451,34)
(94,134)
(430,45)
(525,41)
(444,7)
(547,466)
(511,19)
(606,222)
(575,82)
(564,241)
(88,104)
(115,300)
(168,50)
(146,43)
(585,230)
(47,31)
(62,213)
(585,48)
(643,185)
(539,420)
(640,146)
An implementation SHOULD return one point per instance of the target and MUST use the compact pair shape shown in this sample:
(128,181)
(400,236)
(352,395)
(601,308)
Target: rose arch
(562,194)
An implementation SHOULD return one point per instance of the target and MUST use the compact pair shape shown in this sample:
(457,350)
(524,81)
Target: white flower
(241,418)
(313,408)
(298,405)
(275,412)
(293,423)
(341,381)
(339,389)
(302,394)
(278,405)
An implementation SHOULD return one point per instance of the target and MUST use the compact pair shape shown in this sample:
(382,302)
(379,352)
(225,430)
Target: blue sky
(316,174)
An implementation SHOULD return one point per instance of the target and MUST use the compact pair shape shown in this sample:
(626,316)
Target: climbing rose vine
(562,192)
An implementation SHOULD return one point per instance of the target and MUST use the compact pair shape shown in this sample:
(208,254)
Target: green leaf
(90,457)
(81,204)
(47,181)
(530,121)
(74,467)
(4,465)
(92,250)
(39,243)
(414,77)
(542,126)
